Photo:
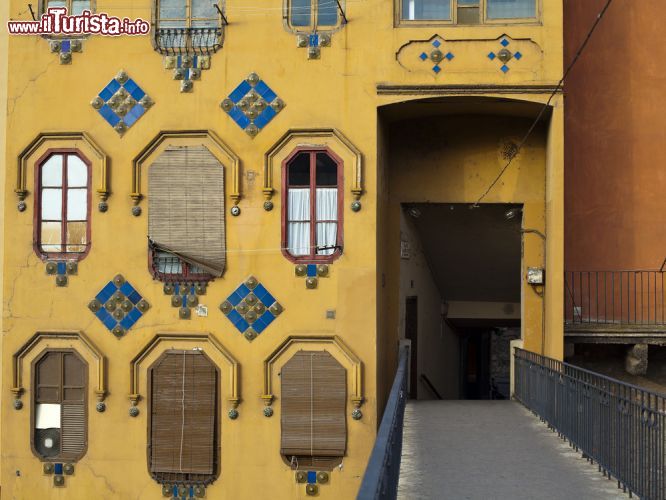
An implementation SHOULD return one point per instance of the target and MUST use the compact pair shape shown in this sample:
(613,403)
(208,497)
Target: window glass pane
(48,393)
(426,9)
(298,238)
(77,204)
(300,12)
(77,172)
(74,370)
(468,15)
(47,416)
(204,8)
(327,170)
(299,170)
(57,3)
(468,2)
(173,9)
(327,236)
(327,13)
(298,205)
(510,9)
(78,6)
(51,237)
(51,204)
(73,394)
(167,263)
(52,172)
(76,237)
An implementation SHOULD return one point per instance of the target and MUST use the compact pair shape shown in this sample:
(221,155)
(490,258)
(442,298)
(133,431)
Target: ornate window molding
(165,139)
(80,141)
(331,343)
(329,138)
(415,13)
(205,342)
(60,340)
(314,22)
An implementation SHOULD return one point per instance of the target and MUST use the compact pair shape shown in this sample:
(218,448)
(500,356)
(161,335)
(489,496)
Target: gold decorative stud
(436,56)
(118,331)
(322,270)
(314,52)
(251,282)
(143,305)
(72,267)
(200,288)
(504,55)
(58,480)
(301,270)
(51,268)
(322,477)
(68,469)
(227,105)
(276,309)
(76,45)
(242,308)
(48,468)
(251,317)
(176,300)
(325,40)
(277,105)
(167,289)
(54,45)
(97,102)
(311,283)
(95,305)
(301,41)
(311,490)
(253,79)
(204,62)
(251,299)
(110,306)
(252,130)
(250,334)
(61,280)
(226,307)
(167,490)
(146,102)
(122,77)
(259,309)
(170,62)
(186,61)
(301,476)
(192,300)
(186,86)
(195,74)
(184,313)
(118,297)
(65,58)
(118,314)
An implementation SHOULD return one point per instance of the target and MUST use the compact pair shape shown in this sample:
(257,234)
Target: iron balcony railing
(619,426)
(615,298)
(188,41)
(381,475)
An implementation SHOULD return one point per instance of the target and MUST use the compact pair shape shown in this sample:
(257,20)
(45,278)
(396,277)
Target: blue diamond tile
(240,91)
(504,68)
(62,268)
(504,42)
(128,292)
(266,116)
(234,316)
(423,56)
(57,468)
(492,56)
(518,55)
(130,86)
(135,113)
(314,40)
(109,90)
(312,270)
(239,319)
(109,115)
(312,477)
(265,91)
(436,68)
(106,292)
(242,325)
(449,56)
(66,46)
(436,44)
(239,117)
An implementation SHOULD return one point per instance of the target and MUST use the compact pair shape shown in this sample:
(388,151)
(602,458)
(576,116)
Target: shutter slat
(186,205)
(314,397)
(73,429)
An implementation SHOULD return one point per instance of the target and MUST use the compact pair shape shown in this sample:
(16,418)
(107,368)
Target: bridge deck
(491,450)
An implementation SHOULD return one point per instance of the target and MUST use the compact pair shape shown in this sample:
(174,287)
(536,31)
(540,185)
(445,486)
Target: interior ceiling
(474,253)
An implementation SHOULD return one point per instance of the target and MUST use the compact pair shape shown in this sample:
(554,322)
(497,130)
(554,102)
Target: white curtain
(327,210)
(298,226)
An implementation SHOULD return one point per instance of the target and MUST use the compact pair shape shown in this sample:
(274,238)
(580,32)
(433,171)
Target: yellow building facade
(275,333)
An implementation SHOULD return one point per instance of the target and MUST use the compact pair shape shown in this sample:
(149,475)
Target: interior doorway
(460,286)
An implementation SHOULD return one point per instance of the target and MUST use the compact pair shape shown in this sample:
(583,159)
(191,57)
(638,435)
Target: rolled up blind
(186,206)
(183,409)
(314,396)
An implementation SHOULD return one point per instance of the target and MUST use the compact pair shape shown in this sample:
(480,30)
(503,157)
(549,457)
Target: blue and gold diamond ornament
(251,308)
(252,105)
(122,102)
(118,306)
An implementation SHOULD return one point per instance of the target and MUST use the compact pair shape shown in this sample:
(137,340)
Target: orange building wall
(615,136)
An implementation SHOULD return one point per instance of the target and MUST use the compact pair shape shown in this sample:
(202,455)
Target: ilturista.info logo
(55,21)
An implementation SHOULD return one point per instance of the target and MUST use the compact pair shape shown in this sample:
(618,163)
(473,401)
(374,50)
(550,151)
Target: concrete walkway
(491,450)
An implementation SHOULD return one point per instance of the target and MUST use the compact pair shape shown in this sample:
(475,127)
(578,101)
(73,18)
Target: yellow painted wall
(338,91)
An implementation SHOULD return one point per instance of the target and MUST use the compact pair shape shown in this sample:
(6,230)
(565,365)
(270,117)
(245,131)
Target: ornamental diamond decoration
(252,105)
(504,55)
(312,273)
(65,48)
(122,102)
(436,56)
(187,69)
(118,306)
(251,308)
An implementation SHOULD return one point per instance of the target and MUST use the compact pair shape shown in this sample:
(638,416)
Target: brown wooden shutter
(186,206)
(183,410)
(73,412)
(314,395)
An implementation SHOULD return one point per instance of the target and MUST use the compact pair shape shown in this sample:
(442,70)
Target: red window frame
(37,217)
(312,256)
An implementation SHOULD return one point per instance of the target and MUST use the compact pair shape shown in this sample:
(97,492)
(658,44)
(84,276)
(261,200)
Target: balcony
(624,307)
(187,41)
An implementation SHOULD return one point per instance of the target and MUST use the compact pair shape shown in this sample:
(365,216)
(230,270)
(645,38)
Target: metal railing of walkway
(619,426)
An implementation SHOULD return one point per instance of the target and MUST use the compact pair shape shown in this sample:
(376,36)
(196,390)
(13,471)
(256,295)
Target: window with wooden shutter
(60,414)
(183,434)
(186,215)
(314,394)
